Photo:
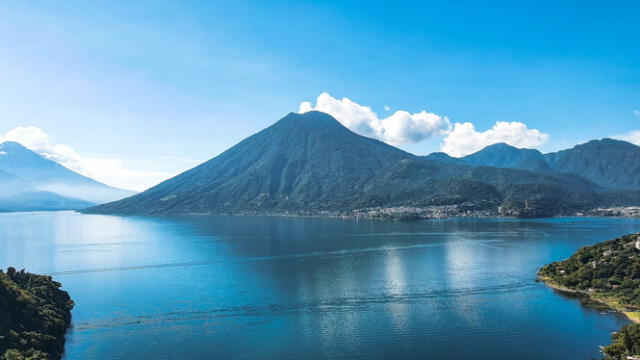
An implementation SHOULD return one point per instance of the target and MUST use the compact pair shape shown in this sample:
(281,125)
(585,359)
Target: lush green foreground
(624,343)
(608,272)
(34,315)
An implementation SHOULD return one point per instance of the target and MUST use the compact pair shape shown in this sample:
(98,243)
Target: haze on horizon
(131,94)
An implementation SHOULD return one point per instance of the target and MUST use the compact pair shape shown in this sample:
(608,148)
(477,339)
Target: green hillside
(608,272)
(34,315)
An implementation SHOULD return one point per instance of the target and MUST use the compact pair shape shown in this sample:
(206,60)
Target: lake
(313,288)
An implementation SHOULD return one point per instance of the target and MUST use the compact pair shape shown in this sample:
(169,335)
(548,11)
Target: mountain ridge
(311,164)
(503,155)
(29,182)
(593,161)
(612,164)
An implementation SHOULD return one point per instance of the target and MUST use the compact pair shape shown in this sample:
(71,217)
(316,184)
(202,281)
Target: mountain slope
(609,163)
(612,164)
(17,194)
(11,184)
(423,182)
(502,155)
(309,164)
(46,175)
(302,162)
(445,158)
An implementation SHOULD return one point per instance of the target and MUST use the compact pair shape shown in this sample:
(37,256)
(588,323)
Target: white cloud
(464,139)
(632,137)
(106,170)
(387,108)
(401,127)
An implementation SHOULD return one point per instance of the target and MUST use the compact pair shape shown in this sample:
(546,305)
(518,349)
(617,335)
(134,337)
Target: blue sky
(138,91)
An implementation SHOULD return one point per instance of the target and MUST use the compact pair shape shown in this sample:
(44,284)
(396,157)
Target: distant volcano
(29,181)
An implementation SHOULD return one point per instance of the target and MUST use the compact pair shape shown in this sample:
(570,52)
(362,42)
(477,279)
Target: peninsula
(609,273)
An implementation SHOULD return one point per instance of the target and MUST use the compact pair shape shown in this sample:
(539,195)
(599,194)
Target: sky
(132,93)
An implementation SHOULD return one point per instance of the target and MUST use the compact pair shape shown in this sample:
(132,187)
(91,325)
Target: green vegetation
(34,315)
(610,269)
(624,343)
(608,272)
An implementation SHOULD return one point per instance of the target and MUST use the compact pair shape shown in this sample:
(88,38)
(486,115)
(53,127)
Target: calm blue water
(294,288)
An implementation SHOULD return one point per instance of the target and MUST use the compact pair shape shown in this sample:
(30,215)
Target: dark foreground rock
(34,316)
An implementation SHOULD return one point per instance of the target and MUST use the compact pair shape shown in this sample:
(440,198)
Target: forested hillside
(34,315)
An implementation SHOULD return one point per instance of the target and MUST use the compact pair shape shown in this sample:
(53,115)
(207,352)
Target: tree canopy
(34,315)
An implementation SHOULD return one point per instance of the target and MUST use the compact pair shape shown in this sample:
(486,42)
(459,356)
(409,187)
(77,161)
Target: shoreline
(401,213)
(610,302)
